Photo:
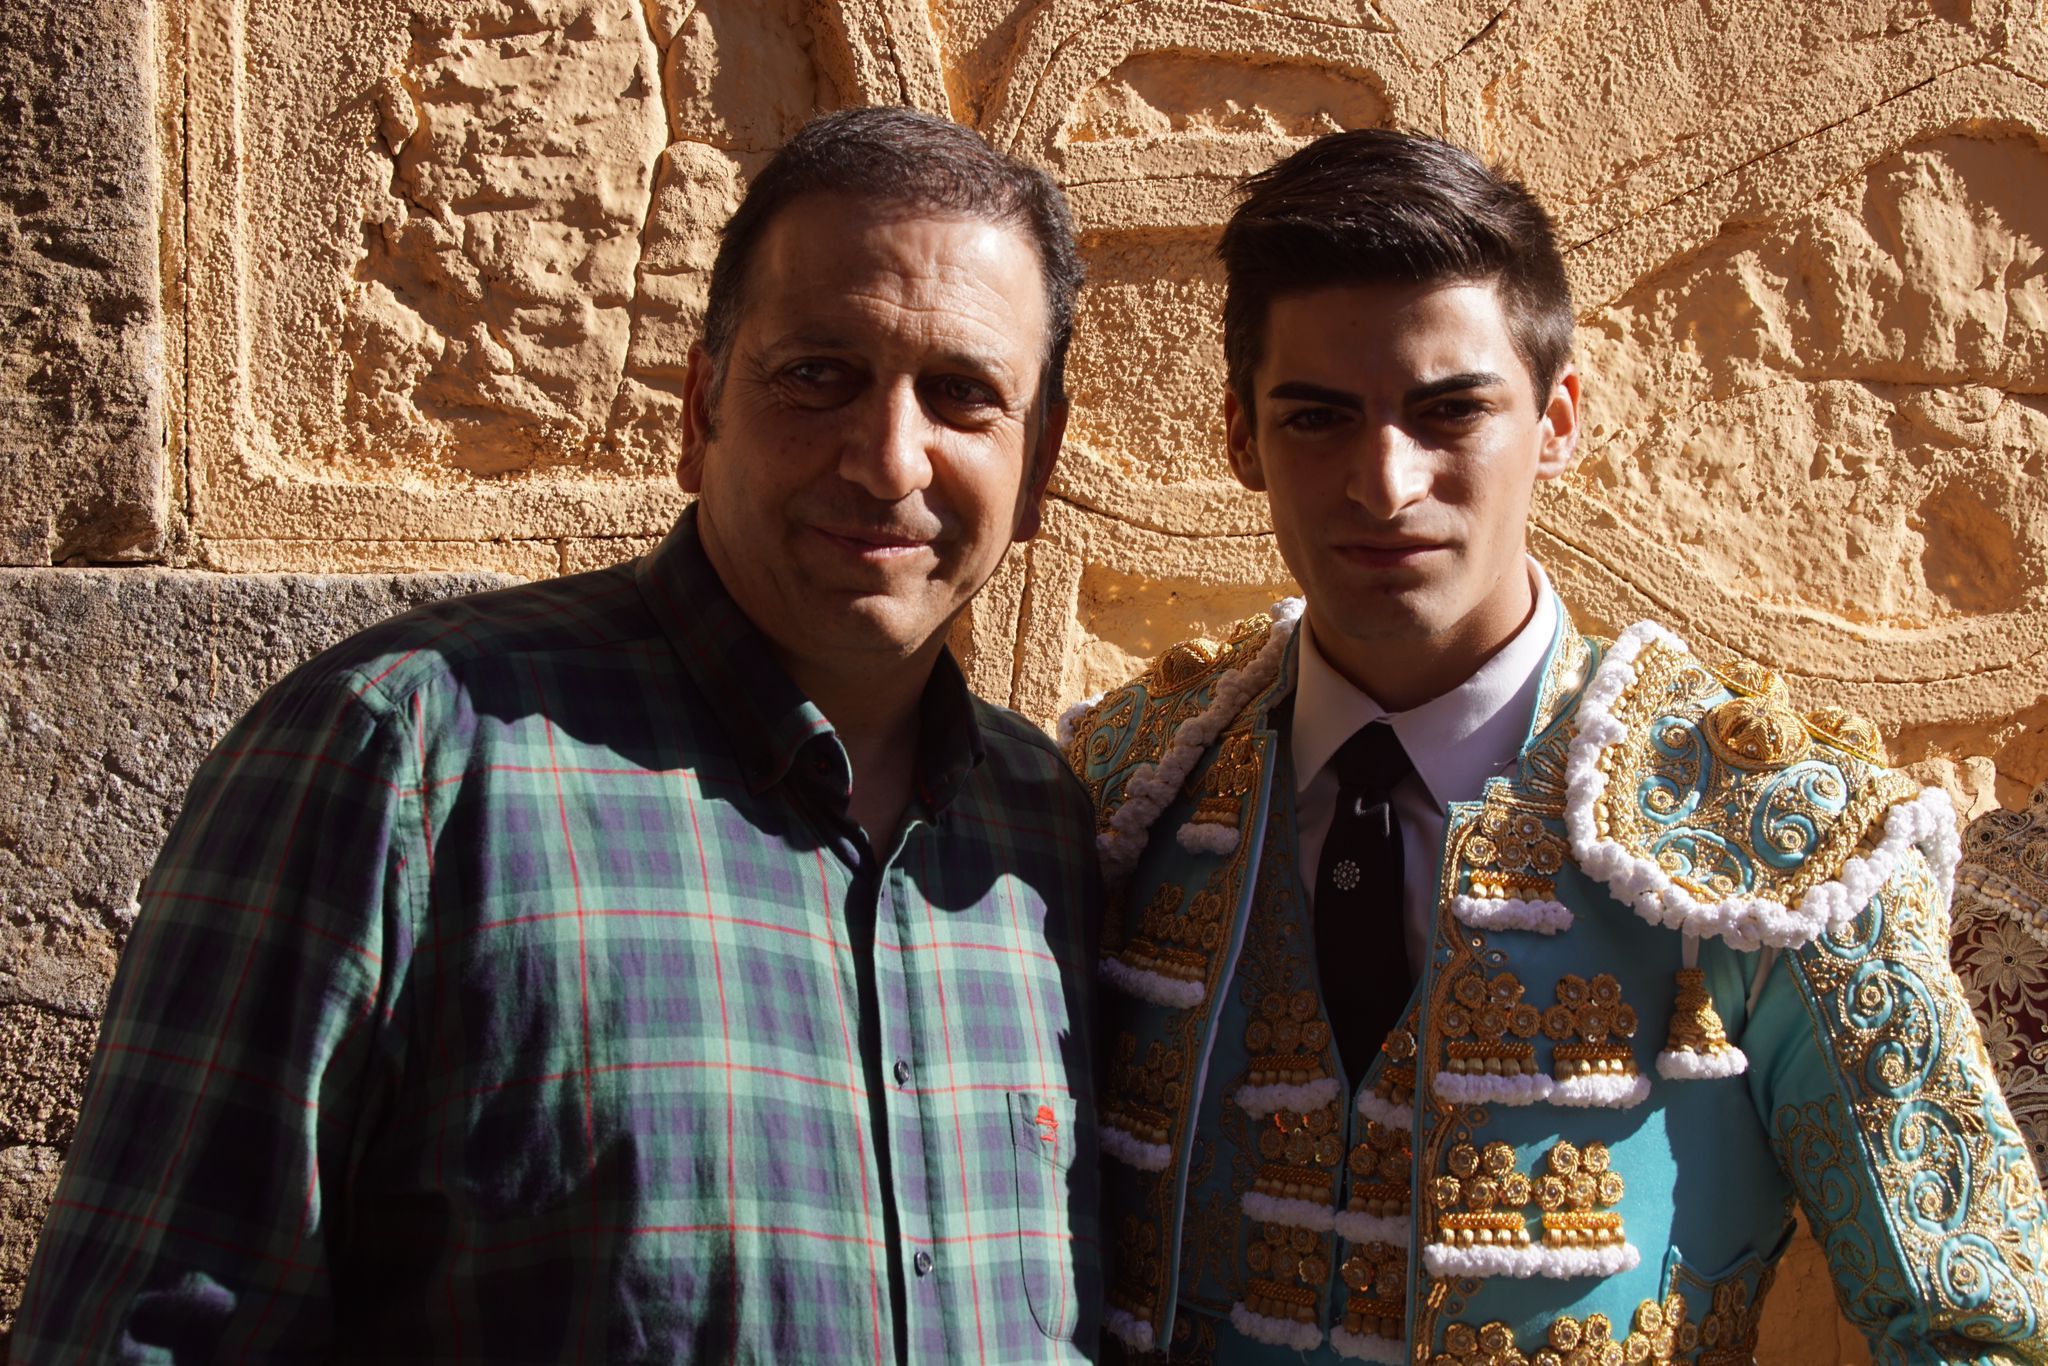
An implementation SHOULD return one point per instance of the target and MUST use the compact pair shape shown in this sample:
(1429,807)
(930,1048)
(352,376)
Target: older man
(1486,991)
(668,963)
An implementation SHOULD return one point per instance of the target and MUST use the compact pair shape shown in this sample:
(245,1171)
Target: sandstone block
(82,468)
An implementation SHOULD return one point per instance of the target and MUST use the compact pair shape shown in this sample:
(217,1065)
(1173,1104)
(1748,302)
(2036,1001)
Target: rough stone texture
(115,684)
(433,268)
(82,469)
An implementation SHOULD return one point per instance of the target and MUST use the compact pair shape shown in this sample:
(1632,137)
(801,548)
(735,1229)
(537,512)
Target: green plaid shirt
(515,987)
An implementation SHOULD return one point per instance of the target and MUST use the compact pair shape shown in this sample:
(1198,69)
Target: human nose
(885,450)
(1390,474)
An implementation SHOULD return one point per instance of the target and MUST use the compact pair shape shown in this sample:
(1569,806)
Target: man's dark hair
(1374,205)
(911,160)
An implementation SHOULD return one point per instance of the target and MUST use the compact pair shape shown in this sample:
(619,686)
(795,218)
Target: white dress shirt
(1456,742)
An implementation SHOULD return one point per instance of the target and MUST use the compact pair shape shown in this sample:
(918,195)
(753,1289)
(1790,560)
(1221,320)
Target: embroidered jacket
(1689,962)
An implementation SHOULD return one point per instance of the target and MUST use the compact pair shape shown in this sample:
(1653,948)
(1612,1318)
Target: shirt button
(902,1072)
(923,1262)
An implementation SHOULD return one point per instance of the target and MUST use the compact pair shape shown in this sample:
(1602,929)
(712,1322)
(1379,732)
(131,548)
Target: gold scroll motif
(1959,1196)
(1590,1028)
(1577,1195)
(1512,855)
(1382,1172)
(1299,1155)
(1660,1333)
(1483,1200)
(1482,1197)
(1376,1285)
(1300,1257)
(1695,1025)
(1487,1027)
(1726,802)
(1543,762)
(1287,1040)
(1143,1093)
(1234,776)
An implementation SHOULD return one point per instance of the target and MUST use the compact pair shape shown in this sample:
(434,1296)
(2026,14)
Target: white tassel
(1481,1088)
(1364,1347)
(1302,1337)
(1359,1227)
(1155,987)
(1722,1062)
(1132,1331)
(1493,913)
(1261,1101)
(1282,1209)
(1133,1151)
(1207,837)
(1371,1105)
(1557,1263)
(1602,1090)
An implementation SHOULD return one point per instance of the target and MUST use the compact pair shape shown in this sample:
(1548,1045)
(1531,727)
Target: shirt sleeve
(1869,1067)
(247,1042)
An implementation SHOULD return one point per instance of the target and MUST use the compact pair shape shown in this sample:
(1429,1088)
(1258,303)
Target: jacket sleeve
(1869,1067)
(205,1193)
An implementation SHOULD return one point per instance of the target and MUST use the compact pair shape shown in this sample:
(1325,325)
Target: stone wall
(302,306)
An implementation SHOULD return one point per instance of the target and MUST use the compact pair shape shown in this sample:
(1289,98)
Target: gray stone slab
(82,469)
(113,686)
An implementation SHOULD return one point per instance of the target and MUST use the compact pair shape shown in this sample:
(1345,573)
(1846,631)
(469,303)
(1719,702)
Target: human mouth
(1389,552)
(873,544)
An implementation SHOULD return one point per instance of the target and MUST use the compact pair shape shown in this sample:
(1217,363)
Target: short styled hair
(1374,205)
(910,160)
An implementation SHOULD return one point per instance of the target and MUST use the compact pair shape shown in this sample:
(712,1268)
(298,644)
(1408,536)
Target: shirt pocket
(1055,1213)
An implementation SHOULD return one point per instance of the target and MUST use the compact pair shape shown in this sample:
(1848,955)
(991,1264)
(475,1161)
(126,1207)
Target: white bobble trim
(1281,1209)
(1364,1347)
(1492,913)
(1470,1088)
(1603,1091)
(1302,1337)
(1689,1066)
(1371,1105)
(1155,987)
(1132,1331)
(1261,1101)
(1133,1151)
(1360,1227)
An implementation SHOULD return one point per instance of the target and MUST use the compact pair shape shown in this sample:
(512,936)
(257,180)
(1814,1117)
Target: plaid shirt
(515,987)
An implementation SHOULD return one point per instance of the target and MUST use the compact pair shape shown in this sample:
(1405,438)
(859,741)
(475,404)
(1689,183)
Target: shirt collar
(1456,741)
(765,716)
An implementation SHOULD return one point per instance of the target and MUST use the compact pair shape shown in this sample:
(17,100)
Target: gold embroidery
(1543,762)
(1575,1196)
(1396,1081)
(1728,1334)
(1484,1011)
(1382,1172)
(1590,1026)
(1167,942)
(1694,784)
(1376,1276)
(1757,727)
(1695,1025)
(1136,1285)
(1513,855)
(1287,1040)
(1140,1094)
(1224,785)
(1300,1153)
(1956,1190)
(1659,1334)
(1480,1200)
(1299,1255)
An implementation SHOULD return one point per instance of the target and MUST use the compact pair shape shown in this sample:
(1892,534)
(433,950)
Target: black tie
(1361,952)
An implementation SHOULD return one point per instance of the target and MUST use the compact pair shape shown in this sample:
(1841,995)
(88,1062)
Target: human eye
(816,382)
(1458,412)
(1310,421)
(963,401)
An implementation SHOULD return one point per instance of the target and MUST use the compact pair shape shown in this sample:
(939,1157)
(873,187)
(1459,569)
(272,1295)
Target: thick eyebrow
(1452,384)
(1316,393)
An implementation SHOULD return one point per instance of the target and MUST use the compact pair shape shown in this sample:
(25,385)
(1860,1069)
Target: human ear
(1560,426)
(700,386)
(1043,455)
(1242,442)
